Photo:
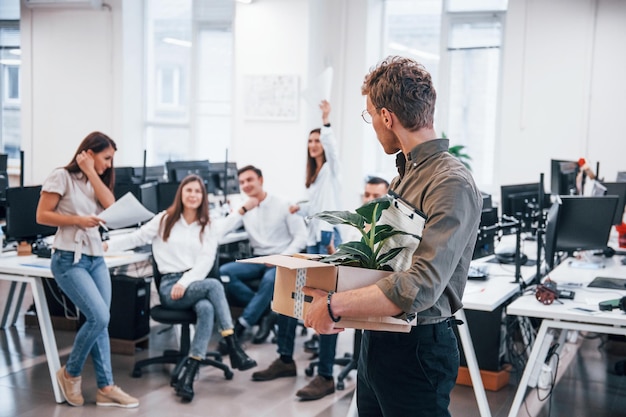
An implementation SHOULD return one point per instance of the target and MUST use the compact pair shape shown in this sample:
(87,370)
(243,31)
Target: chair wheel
(136,373)
(340,385)
(228,374)
(308,371)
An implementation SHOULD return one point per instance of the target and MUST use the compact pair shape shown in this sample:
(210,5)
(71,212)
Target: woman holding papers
(71,199)
(184,246)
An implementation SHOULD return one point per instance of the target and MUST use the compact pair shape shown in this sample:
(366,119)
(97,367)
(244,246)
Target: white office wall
(71,82)
(562,96)
(562,92)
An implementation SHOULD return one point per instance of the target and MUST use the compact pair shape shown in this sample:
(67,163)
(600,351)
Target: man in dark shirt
(402,374)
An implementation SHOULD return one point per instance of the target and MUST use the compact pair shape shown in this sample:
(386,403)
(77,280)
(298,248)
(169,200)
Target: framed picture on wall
(271,97)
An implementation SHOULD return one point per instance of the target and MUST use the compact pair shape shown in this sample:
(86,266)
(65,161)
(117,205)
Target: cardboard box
(293,273)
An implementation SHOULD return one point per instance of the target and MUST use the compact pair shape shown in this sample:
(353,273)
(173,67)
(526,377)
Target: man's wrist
(330,310)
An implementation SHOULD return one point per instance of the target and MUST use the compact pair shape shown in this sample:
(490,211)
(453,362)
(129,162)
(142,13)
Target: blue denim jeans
(208,299)
(287,326)
(88,284)
(424,362)
(257,302)
(286,337)
(321,246)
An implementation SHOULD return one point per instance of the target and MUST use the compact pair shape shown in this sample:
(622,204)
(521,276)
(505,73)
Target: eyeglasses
(367,117)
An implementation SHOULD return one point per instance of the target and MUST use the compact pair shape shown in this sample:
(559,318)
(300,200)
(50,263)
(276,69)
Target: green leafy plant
(457,151)
(365,253)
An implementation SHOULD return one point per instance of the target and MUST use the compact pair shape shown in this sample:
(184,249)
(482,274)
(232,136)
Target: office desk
(562,316)
(32,270)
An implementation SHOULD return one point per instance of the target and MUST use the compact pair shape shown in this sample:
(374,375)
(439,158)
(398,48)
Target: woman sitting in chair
(184,247)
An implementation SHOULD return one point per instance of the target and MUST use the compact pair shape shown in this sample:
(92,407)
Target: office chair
(348,361)
(184,318)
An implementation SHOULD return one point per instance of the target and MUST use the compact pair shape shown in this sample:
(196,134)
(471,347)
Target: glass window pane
(475,5)
(474,58)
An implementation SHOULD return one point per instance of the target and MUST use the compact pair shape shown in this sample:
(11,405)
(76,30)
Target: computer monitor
(146,194)
(577,223)
(177,170)
(166,191)
(225,176)
(21,223)
(621,176)
(618,189)
(522,202)
(152,173)
(125,175)
(563,177)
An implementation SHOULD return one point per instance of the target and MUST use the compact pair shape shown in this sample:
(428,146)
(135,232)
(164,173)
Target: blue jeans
(208,299)
(286,337)
(88,284)
(257,303)
(321,246)
(424,362)
(287,326)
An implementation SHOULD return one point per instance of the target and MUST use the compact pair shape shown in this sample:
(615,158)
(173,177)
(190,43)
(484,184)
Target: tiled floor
(588,387)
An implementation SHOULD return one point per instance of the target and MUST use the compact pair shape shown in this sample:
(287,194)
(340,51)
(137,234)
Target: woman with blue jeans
(323,190)
(184,247)
(71,199)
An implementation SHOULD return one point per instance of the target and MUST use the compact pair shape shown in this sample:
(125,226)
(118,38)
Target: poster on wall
(271,97)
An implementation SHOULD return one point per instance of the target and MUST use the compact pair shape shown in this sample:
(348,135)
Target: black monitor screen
(124,175)
(152,173)
(563,177)
(226,178)
(21,224)
(149,196)
(618,189)
(522,202)
(578,223)
(166,191)
(177,170)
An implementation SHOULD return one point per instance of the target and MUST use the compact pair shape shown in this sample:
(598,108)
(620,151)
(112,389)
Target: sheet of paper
(403,216)
(319,89)
(125,212)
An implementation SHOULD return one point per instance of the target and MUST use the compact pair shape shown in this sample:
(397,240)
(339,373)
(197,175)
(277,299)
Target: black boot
(178,372)
(267,325)
(184,387)
(222,345)
(238,358)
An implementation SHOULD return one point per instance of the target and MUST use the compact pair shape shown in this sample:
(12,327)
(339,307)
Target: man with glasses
(413,373)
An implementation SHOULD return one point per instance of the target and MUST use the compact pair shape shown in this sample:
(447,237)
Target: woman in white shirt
(184,246)
(71,199)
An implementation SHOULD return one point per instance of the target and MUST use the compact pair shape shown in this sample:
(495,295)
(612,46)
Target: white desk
(562,316)
(31,270)
(486,295)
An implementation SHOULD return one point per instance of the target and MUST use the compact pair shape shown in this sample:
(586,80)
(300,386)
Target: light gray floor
(588,387)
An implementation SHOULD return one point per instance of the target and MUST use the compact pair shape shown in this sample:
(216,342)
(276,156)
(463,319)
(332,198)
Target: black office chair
(184,318)
(350,361)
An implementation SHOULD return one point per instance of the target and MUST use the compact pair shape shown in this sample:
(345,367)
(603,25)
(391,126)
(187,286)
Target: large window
(188,80)
(459,43)
(10,114)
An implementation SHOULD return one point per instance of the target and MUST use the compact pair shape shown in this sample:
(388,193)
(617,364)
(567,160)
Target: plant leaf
(341,217)
(386,257)
(374,208)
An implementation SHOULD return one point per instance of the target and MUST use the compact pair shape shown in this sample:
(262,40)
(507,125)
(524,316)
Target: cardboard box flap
(288,262)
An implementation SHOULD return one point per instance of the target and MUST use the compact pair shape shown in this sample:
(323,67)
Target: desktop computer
(130,307)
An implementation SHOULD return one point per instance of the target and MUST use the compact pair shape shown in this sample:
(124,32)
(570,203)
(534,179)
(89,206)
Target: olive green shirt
(440,186)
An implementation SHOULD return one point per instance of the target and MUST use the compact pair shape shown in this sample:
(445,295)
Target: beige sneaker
(70,387)
(116,398)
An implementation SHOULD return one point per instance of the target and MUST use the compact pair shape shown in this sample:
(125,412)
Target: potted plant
(457,151)
(370,252)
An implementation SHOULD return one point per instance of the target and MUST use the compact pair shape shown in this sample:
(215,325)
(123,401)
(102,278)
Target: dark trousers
(407,374)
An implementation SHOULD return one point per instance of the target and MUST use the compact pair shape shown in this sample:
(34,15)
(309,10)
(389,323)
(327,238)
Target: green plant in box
(365,253)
